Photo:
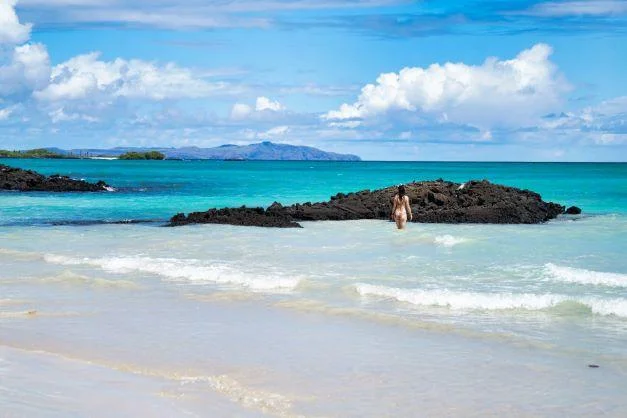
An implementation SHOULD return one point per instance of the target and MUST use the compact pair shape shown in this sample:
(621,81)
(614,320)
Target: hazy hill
(261,151)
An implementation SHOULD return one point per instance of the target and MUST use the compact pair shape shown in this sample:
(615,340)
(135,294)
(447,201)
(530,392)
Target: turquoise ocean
(334,319)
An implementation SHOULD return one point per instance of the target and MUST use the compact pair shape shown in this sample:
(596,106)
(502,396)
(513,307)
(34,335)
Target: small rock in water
(593,366)
(573,210)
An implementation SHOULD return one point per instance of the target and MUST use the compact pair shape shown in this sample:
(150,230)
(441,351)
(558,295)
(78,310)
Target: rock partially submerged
(573,210)
(12,178)
(236,216)
(431,202)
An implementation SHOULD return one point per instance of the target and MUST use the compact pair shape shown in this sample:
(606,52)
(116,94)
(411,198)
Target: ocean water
(334,319)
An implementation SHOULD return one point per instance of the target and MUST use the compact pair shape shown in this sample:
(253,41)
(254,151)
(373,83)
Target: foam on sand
(190,270)
(227,386)
(33,313)
(20,255)
(473,301)
(70,278)
(583,276)
(265,402)
(226,296)
(13,302)
(19,314)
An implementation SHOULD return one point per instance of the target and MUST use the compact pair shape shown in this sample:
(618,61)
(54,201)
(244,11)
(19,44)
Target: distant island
(149,155)
(268,151)
(35,153)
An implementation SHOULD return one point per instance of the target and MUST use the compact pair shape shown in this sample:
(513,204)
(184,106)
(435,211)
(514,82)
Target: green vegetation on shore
(33,153)
(150,155)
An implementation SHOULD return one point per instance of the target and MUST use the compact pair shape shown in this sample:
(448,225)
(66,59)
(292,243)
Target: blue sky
(384,79)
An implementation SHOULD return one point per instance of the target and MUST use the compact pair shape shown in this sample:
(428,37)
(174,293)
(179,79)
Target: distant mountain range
(261,151)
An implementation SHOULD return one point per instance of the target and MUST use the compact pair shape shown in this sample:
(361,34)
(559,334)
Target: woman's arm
(393,208)
(408,207)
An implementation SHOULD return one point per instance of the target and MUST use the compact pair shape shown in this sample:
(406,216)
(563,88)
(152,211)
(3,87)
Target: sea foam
(448,240)
(183,270)
(583,276)
(70,278)
(471,301)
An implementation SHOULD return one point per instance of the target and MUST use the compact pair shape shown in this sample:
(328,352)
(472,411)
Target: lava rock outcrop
(12,178)
(431,202)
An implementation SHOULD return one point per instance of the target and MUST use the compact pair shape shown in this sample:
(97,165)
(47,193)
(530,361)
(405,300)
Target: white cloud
(170,18)
(603,124)
(320,90)
(189,14)
(253,135)
(11,30)
(86,88)
(615,106)
(59,115)
(613,139)
(22,67)
(580,8)
(274,132)
(240,111)
(35,64)
(497,93)
(86,75)
(263,103)
(350,124)
(6,113)
(244,6)
(27,69)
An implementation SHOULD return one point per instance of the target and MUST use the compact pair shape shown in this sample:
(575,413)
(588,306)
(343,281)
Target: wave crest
(583,276)
(469,301)
(182,269)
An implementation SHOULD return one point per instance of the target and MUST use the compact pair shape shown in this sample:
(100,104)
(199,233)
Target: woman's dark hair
(401,191)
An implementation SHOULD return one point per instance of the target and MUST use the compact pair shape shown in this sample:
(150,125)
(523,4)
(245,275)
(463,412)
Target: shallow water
(334,319)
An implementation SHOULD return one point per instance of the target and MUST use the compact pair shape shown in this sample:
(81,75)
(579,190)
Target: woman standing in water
(400,208)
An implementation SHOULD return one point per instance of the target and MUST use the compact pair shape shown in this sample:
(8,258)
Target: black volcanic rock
(238,216)
(431,201)
(573,210)
(12,178)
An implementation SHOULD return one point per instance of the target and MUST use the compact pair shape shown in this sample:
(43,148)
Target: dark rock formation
(431,201)
(238,216)
(573,210)
(26,180)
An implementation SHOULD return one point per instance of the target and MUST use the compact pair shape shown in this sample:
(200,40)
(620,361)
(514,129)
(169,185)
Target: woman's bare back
(401,211)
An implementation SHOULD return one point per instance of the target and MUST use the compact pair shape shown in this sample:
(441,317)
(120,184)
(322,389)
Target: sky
(481,80)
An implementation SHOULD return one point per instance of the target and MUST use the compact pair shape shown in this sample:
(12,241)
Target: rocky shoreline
(436,201)
(17,179)
(431,202)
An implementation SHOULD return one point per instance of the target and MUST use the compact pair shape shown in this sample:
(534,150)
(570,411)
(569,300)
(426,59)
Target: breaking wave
(583,276)
(471,301)
(182,270)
